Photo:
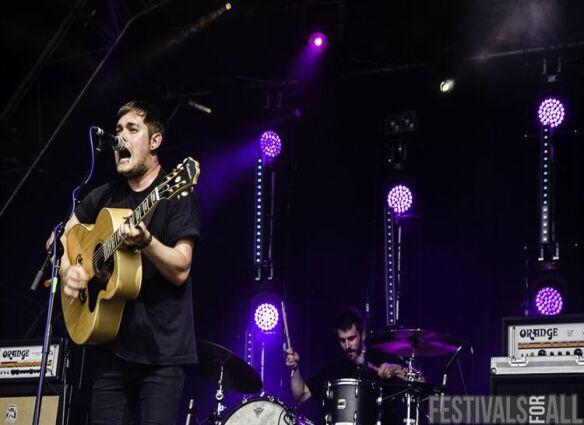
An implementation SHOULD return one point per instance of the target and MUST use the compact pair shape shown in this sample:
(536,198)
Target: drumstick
(287,332)
(284,318)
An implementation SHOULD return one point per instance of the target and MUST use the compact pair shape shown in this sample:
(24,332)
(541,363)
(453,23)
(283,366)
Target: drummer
(350,330)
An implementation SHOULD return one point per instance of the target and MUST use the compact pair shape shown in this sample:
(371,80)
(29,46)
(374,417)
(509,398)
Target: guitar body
(95,316)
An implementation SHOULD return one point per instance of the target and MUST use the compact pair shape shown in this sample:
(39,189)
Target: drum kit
(347,401)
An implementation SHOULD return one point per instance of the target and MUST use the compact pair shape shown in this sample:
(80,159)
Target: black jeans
(130,393)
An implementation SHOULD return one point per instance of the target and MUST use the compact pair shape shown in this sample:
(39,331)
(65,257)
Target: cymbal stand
(412,400)
(219,395)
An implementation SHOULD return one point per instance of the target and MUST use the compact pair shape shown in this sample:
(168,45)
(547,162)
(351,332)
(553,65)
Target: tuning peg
(184,193)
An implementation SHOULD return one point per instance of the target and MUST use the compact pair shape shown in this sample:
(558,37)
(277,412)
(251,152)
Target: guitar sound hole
(103,271)
(82,295)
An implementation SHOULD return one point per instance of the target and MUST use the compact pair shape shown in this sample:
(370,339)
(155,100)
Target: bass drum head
(260,411)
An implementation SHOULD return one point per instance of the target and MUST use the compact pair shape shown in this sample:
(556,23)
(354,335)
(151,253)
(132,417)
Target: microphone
(445,372)
(116,142)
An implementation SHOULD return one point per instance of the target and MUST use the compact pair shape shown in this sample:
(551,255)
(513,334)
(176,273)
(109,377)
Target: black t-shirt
(157,328)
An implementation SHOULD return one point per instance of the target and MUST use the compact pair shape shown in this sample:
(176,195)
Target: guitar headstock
(182,178)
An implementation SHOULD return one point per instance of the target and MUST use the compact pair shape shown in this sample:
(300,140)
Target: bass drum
(261,411)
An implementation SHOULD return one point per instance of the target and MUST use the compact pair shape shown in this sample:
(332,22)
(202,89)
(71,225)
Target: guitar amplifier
(543,336)
(544,357)
(20,363)
(21,360)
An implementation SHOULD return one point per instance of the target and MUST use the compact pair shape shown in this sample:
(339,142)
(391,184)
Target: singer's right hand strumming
(74,280)
(73,277)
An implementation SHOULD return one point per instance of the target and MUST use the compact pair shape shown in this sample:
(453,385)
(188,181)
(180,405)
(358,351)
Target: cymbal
(238,376)
(413,342)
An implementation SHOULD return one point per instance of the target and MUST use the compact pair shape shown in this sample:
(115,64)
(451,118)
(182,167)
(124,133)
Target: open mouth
(125,155)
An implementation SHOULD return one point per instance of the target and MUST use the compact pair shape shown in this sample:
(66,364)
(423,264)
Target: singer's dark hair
(348,318)
(152,116)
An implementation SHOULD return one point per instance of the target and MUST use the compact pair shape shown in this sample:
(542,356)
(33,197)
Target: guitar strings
(99,252)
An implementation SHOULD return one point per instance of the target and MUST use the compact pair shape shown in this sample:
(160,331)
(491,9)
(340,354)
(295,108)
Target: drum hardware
(445,371)
(411,344)
(412,401)
(219,397)
(191,413)
(228,371)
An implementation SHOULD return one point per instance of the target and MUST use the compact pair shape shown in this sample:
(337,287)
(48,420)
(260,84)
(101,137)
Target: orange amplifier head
(543,336)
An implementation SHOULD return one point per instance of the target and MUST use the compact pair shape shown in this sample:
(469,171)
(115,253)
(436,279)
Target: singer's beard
(137,170)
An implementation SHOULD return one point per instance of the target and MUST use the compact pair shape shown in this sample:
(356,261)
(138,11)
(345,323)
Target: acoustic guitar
(115,272)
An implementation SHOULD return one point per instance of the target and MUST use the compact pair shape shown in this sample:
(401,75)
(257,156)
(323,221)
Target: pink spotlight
(317,41)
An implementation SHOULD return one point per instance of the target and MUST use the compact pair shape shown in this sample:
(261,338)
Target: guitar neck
(138,215)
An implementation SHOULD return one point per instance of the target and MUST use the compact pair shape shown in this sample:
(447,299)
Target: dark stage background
(473,159)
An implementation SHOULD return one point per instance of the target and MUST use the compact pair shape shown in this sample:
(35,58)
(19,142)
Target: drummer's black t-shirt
(157,328)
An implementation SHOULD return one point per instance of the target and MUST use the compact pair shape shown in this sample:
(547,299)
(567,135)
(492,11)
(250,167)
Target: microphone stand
(54,254)
(57,252)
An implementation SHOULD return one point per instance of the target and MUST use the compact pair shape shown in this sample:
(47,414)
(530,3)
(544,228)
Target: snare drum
(352,402)
(260,411)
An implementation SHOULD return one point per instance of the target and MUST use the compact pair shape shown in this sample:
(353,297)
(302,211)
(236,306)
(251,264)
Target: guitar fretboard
(115,240)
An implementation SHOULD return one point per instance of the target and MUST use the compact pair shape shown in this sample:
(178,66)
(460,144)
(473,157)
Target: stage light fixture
(551,112)
(549,301)
(317,41)
(266,316)
(447,86)
(270,143)
(400,124)
(400,199)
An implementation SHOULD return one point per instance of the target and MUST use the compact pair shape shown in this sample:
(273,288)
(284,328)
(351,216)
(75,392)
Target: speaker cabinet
(20,410)
(540,384)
